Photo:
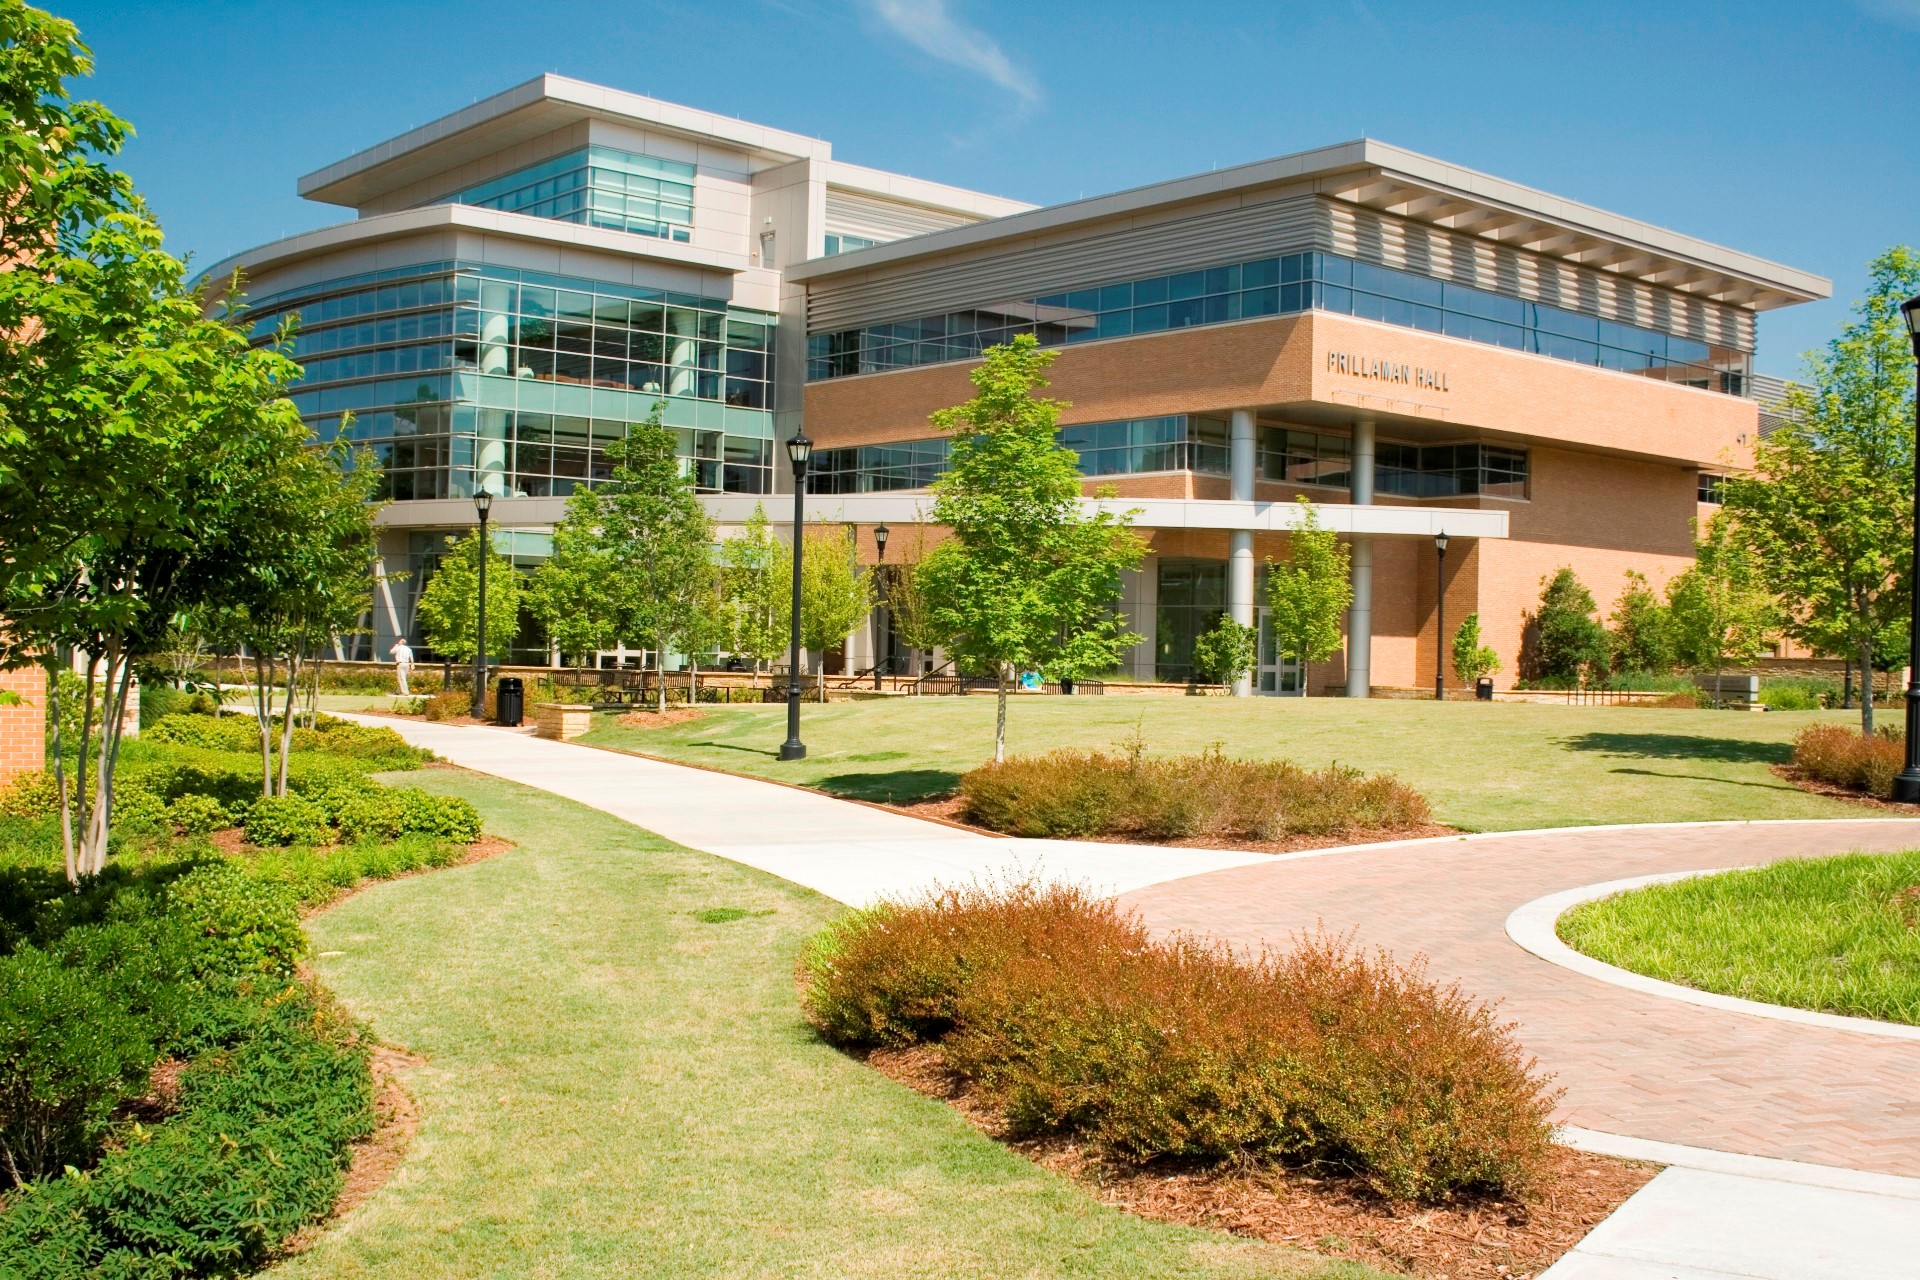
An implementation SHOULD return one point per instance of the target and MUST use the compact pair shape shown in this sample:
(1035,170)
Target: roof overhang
(531,110)
(389,227)
(1419,188)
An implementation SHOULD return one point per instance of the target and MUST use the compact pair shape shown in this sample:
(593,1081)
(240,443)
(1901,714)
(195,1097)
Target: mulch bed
(1477,1238)
(658,719)
(1795,775)
(952,810)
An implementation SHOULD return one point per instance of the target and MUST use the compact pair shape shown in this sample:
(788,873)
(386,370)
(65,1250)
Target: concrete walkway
(1794,1150)
(852,852)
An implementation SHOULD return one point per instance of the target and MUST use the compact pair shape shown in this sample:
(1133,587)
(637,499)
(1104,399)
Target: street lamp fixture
(880,533)
(1440,621)
(799,449)
(1906,786)
(482,506)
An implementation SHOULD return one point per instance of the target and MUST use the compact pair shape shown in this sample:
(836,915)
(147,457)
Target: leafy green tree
(1226,651)
(659,545)
(1568,642)
(834,594)
(450,604)
(1471,658)
(572,592)
(1308,593)
(1828,509)
(135,433)
(1027,579)
(1642,629)
(1721,609)
(755,575)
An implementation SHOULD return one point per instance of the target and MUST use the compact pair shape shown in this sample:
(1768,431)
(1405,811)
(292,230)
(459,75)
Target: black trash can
(1483,689)
(509,701)
(1066,685)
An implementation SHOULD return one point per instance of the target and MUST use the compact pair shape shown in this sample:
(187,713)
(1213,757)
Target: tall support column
(1240,541)
(1360,615)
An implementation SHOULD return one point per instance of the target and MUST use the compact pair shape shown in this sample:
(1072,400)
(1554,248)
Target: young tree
(1642,629)
(1827,511)
(1568,642)
(1027,579)
(755,574)
(1309,592)
(658,542)
(1721,609)
(449,606)
(1226,651)
(572,592)
(1471,659)
(834,594)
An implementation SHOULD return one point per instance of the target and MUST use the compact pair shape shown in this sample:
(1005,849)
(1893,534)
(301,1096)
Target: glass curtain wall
(1277,286)
(597,187)
(458,374)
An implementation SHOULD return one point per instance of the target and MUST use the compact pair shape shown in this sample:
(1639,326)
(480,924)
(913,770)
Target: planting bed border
(1532,926)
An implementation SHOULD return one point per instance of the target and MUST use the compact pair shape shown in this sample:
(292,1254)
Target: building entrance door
(1272,674)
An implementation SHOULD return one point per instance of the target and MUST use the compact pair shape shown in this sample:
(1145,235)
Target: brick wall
(23,733)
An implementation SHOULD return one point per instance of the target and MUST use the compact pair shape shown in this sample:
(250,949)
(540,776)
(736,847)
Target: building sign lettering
(1360,366)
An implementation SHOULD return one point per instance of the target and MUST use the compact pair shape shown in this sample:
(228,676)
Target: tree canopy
(1309,592)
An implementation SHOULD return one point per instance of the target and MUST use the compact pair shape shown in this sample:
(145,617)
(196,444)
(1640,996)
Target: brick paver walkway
(1631,1063)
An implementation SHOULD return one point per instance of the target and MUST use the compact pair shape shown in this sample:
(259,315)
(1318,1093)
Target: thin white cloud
(930,27)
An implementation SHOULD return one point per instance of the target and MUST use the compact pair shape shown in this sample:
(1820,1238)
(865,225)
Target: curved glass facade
(459,373)
(1283,285)
(597,187)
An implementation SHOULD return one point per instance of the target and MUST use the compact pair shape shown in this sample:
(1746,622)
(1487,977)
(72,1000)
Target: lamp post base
(793,751)
(1906,787)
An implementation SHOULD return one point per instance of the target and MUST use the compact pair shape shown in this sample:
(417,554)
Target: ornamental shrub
(1079,793)
(288,819)
(1064,1012)
(196,815)
(446,817)
(241,927)
(136,809)
(1567,642)
(30,795)
(1842,757)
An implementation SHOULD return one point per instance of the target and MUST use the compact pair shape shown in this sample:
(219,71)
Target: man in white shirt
(402,663)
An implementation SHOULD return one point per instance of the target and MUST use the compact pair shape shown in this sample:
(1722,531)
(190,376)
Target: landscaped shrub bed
(1065,1014)
(1843,757)
(1082,793)
(181,961)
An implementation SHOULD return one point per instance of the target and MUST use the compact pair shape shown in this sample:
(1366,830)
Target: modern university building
(1418,348)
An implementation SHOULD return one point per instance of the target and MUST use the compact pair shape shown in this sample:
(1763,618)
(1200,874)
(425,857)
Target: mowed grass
(618,1083)
(1841,935)
(1483,766)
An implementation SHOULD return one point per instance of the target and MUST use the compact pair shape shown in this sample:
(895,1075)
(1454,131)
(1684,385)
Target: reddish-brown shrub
(1080,793)
(1842,757)
(1062,1009)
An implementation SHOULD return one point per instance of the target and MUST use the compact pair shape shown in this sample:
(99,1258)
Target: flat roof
(529,110)
(1393,180)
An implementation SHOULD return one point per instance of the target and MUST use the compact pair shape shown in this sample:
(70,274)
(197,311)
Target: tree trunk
(1000,715)
(263,719)
(286,720)
(1866,688)
(60,769)
(112,716)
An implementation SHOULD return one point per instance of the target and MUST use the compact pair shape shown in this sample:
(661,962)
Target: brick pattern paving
(1630,1063)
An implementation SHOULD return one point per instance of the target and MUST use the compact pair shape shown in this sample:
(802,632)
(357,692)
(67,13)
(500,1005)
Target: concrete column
(1240,541)
(1360,615)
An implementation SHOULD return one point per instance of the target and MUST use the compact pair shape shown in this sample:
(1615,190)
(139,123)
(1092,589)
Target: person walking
(402,663)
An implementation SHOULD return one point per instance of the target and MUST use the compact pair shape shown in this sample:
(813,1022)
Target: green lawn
(615,1086)
(1840,935)
(1484,766)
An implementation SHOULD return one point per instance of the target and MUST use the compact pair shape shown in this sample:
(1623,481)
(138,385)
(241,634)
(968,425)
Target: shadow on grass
(901,787)
(769,753)
(1680,746)
(1706,777)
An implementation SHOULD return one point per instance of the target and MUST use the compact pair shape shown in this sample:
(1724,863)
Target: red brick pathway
(1631,1063)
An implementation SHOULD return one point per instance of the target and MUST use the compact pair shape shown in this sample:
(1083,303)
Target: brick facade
(1613,457)
(23,726)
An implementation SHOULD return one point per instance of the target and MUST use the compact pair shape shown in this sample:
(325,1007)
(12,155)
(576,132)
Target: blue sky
(1788,130)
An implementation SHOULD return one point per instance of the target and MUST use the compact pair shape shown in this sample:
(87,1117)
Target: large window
(599,187)
(459,373)
(1192,598)
(840,242)
(1276,286)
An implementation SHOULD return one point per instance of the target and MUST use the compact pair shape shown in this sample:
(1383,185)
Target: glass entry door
(1273,674)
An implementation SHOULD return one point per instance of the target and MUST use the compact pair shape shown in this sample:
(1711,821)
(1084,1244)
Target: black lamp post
(798,450)
(483,504)
(880,533)
(1906,786)
(1440,624)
